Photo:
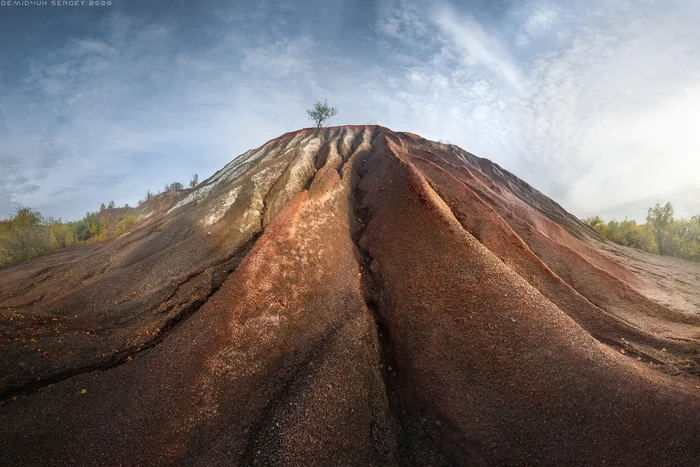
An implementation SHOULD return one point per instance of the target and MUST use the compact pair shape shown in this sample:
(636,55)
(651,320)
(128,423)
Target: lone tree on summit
(321,113)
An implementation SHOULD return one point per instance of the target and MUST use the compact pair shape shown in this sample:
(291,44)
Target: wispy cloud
(603,114)
(539,22)
(114,115)
(477,46)
(610,118)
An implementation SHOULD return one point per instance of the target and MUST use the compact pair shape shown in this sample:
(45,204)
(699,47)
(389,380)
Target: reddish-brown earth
(352,296)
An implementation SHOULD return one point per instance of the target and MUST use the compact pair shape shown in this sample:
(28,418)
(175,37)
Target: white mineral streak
(221,206)
(234,169)
(309,149)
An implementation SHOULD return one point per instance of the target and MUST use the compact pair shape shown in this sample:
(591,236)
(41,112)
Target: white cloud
(610,120)
(285,57)
(119,115)
(476,45)
(401,19)
(605,118)
(540,21)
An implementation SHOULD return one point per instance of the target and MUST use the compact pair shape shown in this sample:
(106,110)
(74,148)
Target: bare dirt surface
(352,296)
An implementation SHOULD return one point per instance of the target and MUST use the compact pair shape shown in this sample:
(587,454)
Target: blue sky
(597,105)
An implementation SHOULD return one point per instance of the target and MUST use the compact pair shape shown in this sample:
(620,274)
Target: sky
(596,103)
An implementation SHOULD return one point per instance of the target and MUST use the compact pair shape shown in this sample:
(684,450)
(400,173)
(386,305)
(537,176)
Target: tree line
(661,234)
(27,234)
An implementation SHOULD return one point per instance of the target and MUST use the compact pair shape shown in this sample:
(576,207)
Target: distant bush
(126,223)
(175,186)
(23,236)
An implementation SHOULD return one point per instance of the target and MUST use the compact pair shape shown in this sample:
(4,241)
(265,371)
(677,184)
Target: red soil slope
(352,296)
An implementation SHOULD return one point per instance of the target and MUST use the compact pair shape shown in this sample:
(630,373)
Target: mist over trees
(661,234)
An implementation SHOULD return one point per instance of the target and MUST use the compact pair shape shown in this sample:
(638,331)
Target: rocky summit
(352,296)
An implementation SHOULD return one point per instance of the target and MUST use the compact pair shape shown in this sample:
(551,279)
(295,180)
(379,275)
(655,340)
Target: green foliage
(175,186)
(26,234)
(126,223)
(597,223)
(111,205)
(81,231)
(23,236)
(683,238)
(660,218)
(321,113)
(195,181)
(662,234)
(102,207)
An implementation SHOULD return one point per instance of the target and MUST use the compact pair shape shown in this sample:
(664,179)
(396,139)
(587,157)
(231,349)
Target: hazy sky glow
(597,105)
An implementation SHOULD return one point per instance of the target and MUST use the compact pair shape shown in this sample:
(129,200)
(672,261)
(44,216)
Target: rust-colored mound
(352,296)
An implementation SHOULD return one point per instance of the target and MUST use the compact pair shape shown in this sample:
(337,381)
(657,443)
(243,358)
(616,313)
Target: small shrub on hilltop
(175,186)
(321,112)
